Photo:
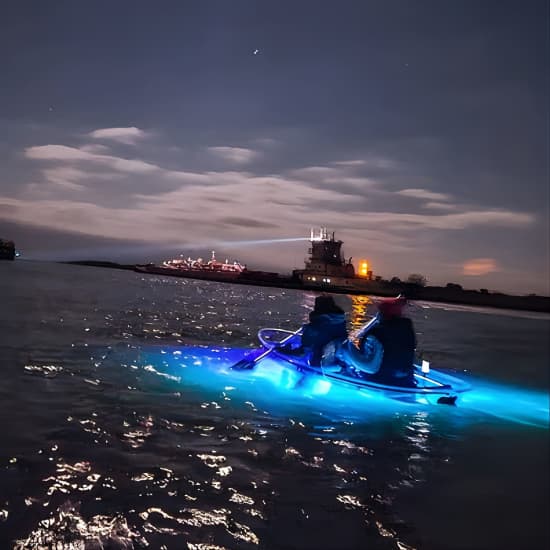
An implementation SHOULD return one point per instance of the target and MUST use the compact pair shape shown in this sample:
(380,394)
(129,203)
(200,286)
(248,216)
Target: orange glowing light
(363,268)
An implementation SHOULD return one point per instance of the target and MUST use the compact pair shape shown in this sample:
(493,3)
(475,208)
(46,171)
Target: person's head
(326,304)
(392,308)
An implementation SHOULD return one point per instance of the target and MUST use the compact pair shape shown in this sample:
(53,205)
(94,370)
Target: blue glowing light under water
(276,385)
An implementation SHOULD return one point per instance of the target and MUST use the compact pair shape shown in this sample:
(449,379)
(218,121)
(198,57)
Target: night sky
(417,131)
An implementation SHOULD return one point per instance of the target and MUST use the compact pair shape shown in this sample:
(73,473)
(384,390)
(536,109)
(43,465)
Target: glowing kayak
(427,381)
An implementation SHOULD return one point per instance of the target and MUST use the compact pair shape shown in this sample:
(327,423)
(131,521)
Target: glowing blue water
(274,384)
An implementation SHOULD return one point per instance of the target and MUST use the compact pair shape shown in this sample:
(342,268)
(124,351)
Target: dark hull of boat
(209,275)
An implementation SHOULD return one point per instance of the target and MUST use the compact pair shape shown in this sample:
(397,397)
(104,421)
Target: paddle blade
(243,364)
(248,361)
(447,400)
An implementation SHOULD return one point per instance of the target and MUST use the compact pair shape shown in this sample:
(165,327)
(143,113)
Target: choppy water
(120,429)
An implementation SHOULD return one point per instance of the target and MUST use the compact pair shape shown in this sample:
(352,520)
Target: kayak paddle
(246,363)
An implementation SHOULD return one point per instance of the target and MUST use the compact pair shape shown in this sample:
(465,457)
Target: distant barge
(327,270)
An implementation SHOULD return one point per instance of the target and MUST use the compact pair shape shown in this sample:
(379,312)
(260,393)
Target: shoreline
(453,295)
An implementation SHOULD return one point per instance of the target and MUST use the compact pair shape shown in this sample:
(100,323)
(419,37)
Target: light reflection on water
(128,429)
(210,367)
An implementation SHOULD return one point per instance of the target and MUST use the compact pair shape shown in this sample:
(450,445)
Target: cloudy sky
(417,131)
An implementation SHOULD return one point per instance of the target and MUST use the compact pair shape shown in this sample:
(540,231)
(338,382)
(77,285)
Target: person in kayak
(395,333)
(327,323)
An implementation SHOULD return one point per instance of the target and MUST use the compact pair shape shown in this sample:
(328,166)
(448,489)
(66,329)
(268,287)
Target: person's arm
(367,328)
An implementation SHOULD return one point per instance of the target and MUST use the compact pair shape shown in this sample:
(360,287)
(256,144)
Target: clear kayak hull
(435,382)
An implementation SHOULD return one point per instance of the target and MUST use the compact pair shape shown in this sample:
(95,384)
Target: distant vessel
(200,265)
(326,267)
(197,268)
(7,250)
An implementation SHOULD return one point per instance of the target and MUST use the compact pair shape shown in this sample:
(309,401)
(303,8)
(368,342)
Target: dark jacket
(322,329)
(399,342)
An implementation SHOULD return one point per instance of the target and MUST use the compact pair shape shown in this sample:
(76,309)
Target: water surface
(123,428)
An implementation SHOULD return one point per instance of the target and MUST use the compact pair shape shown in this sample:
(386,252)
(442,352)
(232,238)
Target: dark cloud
(220,200)
(248,222)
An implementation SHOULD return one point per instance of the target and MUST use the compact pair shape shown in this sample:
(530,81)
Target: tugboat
(7,250)
(326,268)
